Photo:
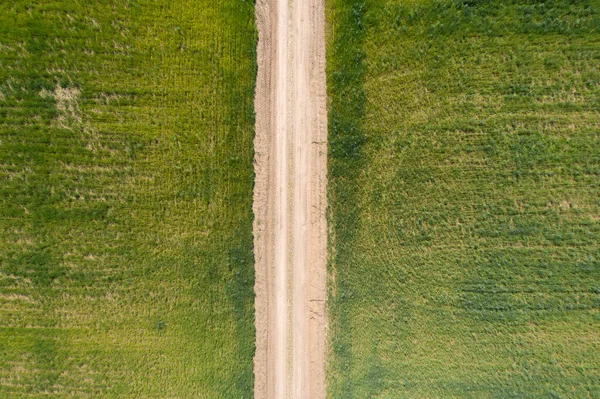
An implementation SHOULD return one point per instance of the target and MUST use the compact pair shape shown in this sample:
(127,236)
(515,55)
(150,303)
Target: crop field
(126,180)
(464,198)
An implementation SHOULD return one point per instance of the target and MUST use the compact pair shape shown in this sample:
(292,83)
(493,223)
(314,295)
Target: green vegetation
(464,198)
(125,198)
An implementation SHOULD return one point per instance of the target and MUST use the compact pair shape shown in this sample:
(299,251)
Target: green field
(464,194)
(125,198)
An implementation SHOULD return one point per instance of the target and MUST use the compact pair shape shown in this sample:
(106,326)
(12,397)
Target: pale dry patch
(94,23)
(106,99)
(16,298)
(4,47)
(70,116)
(15,279)
(66,98)
(14,374)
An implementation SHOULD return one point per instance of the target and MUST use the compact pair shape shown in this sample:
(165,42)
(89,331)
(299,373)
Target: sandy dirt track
(290,200)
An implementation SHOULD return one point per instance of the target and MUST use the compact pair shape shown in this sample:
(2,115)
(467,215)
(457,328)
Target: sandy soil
(290,200)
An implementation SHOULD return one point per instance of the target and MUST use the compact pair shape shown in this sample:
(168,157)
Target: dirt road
(290,200)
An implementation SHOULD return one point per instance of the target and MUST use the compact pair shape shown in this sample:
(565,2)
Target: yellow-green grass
(125,198)
(464,197)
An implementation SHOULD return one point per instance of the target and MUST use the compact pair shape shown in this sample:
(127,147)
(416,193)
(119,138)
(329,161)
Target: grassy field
(125,198)
(464,198)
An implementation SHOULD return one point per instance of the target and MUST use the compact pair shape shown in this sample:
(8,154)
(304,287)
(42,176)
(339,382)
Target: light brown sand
(290,200)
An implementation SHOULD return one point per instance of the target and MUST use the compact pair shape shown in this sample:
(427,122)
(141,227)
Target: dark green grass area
(125,198)
(464,199)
